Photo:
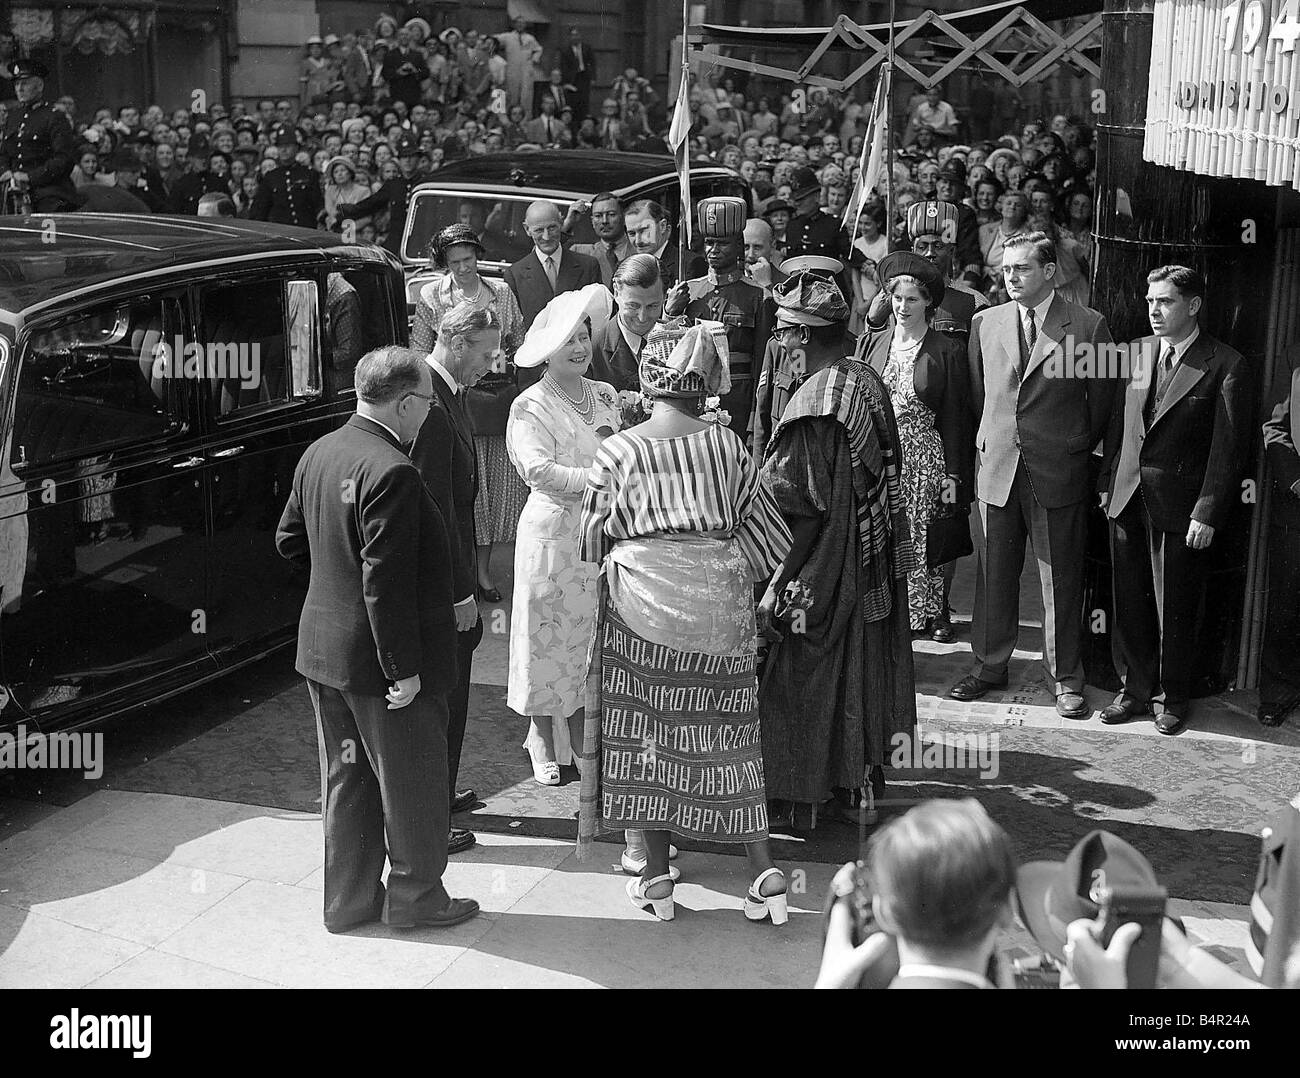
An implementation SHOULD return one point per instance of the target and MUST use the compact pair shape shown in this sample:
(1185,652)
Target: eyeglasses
(423,396)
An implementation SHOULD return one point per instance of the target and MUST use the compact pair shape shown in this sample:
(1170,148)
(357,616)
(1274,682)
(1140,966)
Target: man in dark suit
(616,356)
(548,269)
(1279,675)
(378,611)
(1041,405)
(1171,465)
(469,339)
(650,229)
(578,69)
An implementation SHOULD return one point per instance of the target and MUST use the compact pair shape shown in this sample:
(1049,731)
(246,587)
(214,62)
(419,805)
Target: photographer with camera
(940,889)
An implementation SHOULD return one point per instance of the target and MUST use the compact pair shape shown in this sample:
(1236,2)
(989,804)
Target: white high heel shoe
(663,907)
(546,772)
(634,865)
(759,905)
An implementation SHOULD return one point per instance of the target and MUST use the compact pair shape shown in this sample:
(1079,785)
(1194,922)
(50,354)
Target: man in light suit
(612,243)
(1279,676)
(469,339)
(378,611)
(546,129)
(1171,466)
(548,269)
(1041,406)
(616,356)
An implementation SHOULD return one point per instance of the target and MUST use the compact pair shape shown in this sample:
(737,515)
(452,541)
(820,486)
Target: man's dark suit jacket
(1281,433)
(1053,415)
(572,76)
(695,266)
(444,453)
(532,288)
(379,602)
(612,360)
(1188,463)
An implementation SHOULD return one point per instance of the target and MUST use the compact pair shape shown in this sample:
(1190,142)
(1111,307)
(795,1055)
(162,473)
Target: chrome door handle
(233,451)
(191,462)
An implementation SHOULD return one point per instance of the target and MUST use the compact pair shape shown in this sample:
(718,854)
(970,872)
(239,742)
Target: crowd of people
(765,465)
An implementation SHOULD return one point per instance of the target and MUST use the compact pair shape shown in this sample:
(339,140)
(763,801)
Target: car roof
(559,170)
(47,257)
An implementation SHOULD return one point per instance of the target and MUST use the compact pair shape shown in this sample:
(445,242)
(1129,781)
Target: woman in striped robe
(676,515)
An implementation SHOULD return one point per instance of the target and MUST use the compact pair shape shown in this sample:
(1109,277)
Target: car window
(498,222)
(358,319)
(261,342)
(92,384)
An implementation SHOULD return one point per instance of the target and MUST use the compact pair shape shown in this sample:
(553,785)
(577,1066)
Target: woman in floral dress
(925,373)
(554,431)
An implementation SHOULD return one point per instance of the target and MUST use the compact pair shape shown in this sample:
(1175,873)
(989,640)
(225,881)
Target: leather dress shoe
(489,595)
(458,840)
(1072,705)
(458,910)
(462,800)
(972,688)
(1122,710)
(1170,722)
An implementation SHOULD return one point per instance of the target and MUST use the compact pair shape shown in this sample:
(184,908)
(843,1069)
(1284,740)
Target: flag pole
(888,74)
(684,236)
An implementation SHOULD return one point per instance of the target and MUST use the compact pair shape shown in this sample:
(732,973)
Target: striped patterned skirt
(501,492)
(677,739)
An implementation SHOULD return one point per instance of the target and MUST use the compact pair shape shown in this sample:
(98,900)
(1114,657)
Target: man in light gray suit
(612,243)
(1042,399)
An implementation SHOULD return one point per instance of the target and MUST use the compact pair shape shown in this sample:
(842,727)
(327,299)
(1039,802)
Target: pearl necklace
(584,408)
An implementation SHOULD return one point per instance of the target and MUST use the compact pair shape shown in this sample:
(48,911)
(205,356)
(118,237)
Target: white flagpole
(683,99)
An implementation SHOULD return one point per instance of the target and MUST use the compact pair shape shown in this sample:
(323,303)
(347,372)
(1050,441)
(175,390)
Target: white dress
(554,606)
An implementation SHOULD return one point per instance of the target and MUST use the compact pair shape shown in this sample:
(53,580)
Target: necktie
(612,256)
(1031,331)
(551,274)
(577,49)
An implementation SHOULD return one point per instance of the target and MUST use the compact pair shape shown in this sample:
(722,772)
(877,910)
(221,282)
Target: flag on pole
(872,166)
(679,142)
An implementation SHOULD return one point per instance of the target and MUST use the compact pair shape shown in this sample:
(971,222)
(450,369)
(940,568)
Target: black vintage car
(160,378)
(490,194)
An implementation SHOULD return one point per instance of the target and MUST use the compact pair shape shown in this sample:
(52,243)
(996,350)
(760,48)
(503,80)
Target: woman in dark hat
(501,493)
(838,682)
(925,372)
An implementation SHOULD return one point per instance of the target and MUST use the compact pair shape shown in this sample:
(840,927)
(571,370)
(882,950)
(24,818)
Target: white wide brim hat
(560,318)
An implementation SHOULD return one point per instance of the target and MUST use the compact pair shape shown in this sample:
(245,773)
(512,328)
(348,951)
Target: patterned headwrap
(810,300)
(682,359)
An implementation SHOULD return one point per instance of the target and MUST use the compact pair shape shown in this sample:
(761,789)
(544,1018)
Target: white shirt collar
(442,371)
(396,437)
(634,341)
(660,253)
(1180,349)
(1040,311)
(944,973)
(554,254)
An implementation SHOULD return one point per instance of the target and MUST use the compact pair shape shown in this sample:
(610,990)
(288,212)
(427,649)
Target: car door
(264,402)
(103,529)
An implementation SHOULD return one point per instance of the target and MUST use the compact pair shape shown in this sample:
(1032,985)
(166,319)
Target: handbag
(947,533)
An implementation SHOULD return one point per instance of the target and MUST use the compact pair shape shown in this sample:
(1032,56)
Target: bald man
(548,269)
(760,258)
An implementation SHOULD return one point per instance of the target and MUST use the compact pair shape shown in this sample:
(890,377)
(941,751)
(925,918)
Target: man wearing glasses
(377,645)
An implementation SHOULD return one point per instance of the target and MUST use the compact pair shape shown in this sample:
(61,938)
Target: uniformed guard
(724,295)
(292,193)
(37,147)
(933,227)
(394,193)
(812,232)
(199,181)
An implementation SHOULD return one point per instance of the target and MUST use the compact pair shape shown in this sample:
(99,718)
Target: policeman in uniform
(199,181)
(725,295)
(290,194)
(934,227)
(394,193)
(37,147)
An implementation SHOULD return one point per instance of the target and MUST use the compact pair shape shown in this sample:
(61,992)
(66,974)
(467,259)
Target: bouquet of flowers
(714,413)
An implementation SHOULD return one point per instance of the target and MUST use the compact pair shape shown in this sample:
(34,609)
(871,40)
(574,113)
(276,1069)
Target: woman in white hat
(317,73)
(554,430)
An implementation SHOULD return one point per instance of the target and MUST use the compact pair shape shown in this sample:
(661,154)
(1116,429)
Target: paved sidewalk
(158,891)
